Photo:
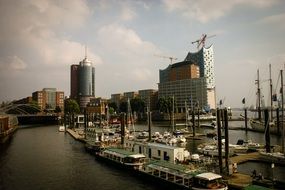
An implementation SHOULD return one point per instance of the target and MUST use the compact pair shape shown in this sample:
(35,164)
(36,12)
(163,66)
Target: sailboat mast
(282,110)
(258,97)
(172,113)
(271,101)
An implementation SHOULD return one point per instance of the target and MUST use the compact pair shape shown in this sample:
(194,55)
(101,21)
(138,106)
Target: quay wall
(37,119)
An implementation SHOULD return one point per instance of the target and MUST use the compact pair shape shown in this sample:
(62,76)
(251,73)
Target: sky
(40,39)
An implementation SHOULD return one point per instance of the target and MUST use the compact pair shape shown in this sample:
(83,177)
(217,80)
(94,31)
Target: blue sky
(40,39)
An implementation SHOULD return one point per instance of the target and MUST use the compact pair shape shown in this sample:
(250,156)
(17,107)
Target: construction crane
(201,42)
(167,57)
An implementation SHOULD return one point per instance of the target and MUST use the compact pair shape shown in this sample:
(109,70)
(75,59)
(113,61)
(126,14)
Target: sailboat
(258,124)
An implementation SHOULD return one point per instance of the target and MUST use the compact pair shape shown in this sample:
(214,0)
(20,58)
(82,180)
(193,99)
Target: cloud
(129,61)
(125,43)
(207,10)
(276,20)
(127,13)
(39,27)
(12,63)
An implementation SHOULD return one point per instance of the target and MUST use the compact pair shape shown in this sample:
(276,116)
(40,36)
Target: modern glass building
(205,59)
(191,81)
(82,82)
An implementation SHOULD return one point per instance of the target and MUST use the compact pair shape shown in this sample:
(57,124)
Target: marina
(142,95)
(234,182)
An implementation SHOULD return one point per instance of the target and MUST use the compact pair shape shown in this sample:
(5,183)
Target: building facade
(149,96)
(49,99)
(82,82)
(205,59)
(191,81)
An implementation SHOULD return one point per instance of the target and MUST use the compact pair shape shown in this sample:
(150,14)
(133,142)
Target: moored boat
(208,180)
(122,158)
(273,157)
(182,176)
(61,128)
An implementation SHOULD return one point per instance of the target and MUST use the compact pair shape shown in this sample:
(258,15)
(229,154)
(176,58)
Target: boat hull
(260,127)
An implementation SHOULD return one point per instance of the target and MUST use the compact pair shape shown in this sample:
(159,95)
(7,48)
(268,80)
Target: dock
(254,156)
(76,135)
(239,181)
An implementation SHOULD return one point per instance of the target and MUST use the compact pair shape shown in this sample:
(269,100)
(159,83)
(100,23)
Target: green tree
(71,106)
(165,105)
(137,105)
(123,107)
(114,106)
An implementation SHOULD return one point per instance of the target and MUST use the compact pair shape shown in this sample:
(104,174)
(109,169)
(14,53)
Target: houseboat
(182,176)
(158,151)
(122,158)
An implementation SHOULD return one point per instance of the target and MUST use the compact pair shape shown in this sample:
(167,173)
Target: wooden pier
(254,156)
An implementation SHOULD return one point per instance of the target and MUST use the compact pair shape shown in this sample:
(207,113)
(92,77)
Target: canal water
(43,158)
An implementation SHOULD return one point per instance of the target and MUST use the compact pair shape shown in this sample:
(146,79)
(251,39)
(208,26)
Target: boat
(8,125)
(182,176)
(273,157)
(122,158)
(61,128)
(259,125)
(208,180)
(211,125)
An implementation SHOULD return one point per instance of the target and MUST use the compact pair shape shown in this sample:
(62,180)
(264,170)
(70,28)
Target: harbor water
(43,158)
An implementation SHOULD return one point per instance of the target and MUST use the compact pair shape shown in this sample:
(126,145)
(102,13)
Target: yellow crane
(167,57)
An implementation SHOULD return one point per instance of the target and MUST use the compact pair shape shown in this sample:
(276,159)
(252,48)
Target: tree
(137,105)
(57,109)
(165,105)
(123,107)
(114,106)
(71,106)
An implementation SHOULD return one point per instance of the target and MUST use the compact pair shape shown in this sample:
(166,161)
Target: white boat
(181,139)
(122,157)
(208,180)
(259,126)
(274,157)
(61,128)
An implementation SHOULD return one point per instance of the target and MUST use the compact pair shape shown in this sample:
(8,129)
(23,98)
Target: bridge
(29,114)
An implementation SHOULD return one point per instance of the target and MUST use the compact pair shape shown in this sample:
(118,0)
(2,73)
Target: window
(158,152)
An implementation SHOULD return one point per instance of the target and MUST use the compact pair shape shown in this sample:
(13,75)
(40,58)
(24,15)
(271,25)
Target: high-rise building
(82,83)
(191,81)
(205,59)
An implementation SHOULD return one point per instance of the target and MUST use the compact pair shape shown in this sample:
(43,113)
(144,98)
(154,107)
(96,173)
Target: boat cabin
(173,173)
(209,180)
(124,157)
(157,151)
